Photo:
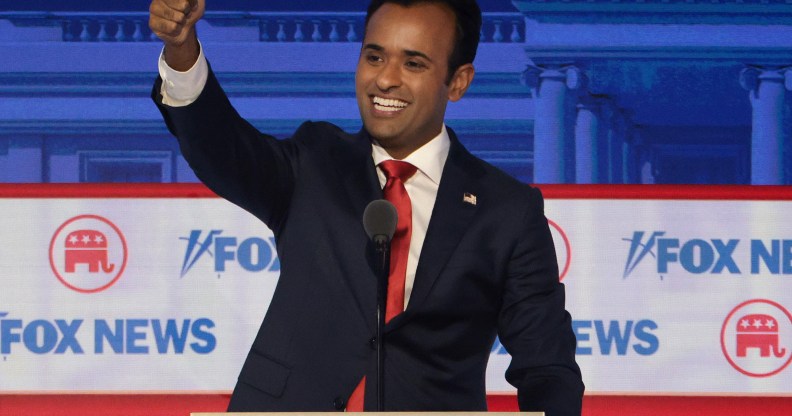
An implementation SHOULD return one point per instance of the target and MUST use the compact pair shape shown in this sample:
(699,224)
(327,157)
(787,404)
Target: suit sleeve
(228,154)
(533,325)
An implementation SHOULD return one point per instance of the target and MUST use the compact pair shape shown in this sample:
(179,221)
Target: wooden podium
(374,413)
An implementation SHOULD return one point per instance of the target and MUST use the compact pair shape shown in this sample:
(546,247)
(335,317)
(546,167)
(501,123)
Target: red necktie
(397,173)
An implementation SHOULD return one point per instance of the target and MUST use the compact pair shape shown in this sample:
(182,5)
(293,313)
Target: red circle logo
(562,248)
(756,338)
(88,253)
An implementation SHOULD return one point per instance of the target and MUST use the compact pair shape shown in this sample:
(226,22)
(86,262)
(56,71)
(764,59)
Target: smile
(388,104)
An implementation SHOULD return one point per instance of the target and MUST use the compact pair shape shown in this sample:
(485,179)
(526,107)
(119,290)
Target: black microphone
(379,221)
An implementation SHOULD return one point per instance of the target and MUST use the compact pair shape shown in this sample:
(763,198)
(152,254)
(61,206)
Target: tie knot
(398,169)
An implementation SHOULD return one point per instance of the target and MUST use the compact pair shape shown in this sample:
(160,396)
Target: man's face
(400,79)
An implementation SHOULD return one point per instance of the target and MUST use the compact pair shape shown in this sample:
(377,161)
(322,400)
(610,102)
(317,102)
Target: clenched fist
(173,21)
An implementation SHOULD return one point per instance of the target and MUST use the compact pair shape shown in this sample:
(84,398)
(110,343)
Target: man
(474,256)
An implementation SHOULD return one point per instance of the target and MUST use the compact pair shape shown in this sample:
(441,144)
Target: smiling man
(472,256)
(403,80)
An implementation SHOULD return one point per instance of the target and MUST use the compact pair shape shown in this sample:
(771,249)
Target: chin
(379,132)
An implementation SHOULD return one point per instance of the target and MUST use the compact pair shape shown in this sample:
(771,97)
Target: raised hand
(173,21)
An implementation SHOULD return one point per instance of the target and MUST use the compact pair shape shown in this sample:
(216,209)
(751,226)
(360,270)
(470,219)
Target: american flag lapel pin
(469,198)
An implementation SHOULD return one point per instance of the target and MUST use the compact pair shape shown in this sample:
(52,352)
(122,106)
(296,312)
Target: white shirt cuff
(182,88)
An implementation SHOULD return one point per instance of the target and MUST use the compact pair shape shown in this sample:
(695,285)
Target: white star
(86,239)
(757,323)
(770,323)
(98,239)
(73,239)
(744,323)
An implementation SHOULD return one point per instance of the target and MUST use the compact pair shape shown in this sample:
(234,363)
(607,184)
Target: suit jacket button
(373,343)
(339,403)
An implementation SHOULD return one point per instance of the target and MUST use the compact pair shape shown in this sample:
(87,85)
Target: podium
(374,413)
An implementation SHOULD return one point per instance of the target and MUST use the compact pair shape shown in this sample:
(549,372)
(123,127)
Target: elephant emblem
(758,331)
(87,247)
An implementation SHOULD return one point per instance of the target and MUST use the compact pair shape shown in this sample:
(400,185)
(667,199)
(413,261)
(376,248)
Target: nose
(389,76)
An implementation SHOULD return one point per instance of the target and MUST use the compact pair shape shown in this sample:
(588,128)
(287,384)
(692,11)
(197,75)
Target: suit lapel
(357,172)
(358,179)
(450,217)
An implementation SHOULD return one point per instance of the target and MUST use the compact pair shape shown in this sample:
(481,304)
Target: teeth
(384,104)
(386,109)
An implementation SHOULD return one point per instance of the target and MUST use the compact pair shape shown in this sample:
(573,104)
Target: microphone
(379,221)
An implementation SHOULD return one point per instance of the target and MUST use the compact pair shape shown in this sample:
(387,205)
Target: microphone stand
(379,220)
(383,250)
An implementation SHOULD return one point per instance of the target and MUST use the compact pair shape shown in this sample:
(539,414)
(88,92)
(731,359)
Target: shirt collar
(429,158)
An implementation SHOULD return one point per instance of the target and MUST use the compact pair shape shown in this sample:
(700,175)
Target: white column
(549,86)
(766,93)
(632,155)
(615,149)
(587,146)
(626,157)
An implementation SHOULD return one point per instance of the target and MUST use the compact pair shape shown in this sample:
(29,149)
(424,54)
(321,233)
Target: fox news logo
(713,256)
(101,336)
(606,338)
(253,254)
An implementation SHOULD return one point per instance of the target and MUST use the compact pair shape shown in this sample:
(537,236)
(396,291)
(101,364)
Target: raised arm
(239,163)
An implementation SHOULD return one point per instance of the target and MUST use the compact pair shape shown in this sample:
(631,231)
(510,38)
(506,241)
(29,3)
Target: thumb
(197,8)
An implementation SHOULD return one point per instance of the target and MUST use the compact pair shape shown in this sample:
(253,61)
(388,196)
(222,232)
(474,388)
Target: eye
(415,65)
(373,58)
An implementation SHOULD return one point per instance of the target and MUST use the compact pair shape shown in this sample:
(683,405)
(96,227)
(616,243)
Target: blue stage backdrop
(634,92)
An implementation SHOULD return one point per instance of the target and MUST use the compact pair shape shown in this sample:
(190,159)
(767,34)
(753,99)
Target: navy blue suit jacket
(485,269)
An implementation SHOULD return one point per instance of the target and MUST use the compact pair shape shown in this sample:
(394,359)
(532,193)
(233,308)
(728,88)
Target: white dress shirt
(182,88)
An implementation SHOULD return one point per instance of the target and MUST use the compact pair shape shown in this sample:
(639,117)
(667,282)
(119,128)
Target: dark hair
(468,28)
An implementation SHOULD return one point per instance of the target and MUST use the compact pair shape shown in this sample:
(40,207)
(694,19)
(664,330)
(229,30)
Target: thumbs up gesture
(173,21)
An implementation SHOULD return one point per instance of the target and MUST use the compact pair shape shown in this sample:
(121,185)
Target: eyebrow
(418,54)
(408,52)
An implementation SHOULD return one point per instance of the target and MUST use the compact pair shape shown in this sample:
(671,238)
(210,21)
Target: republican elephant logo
(758,331)
(756,338)
(87,247)
(88,253)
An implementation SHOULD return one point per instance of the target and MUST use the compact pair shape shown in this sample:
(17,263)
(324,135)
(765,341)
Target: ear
(460,82)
